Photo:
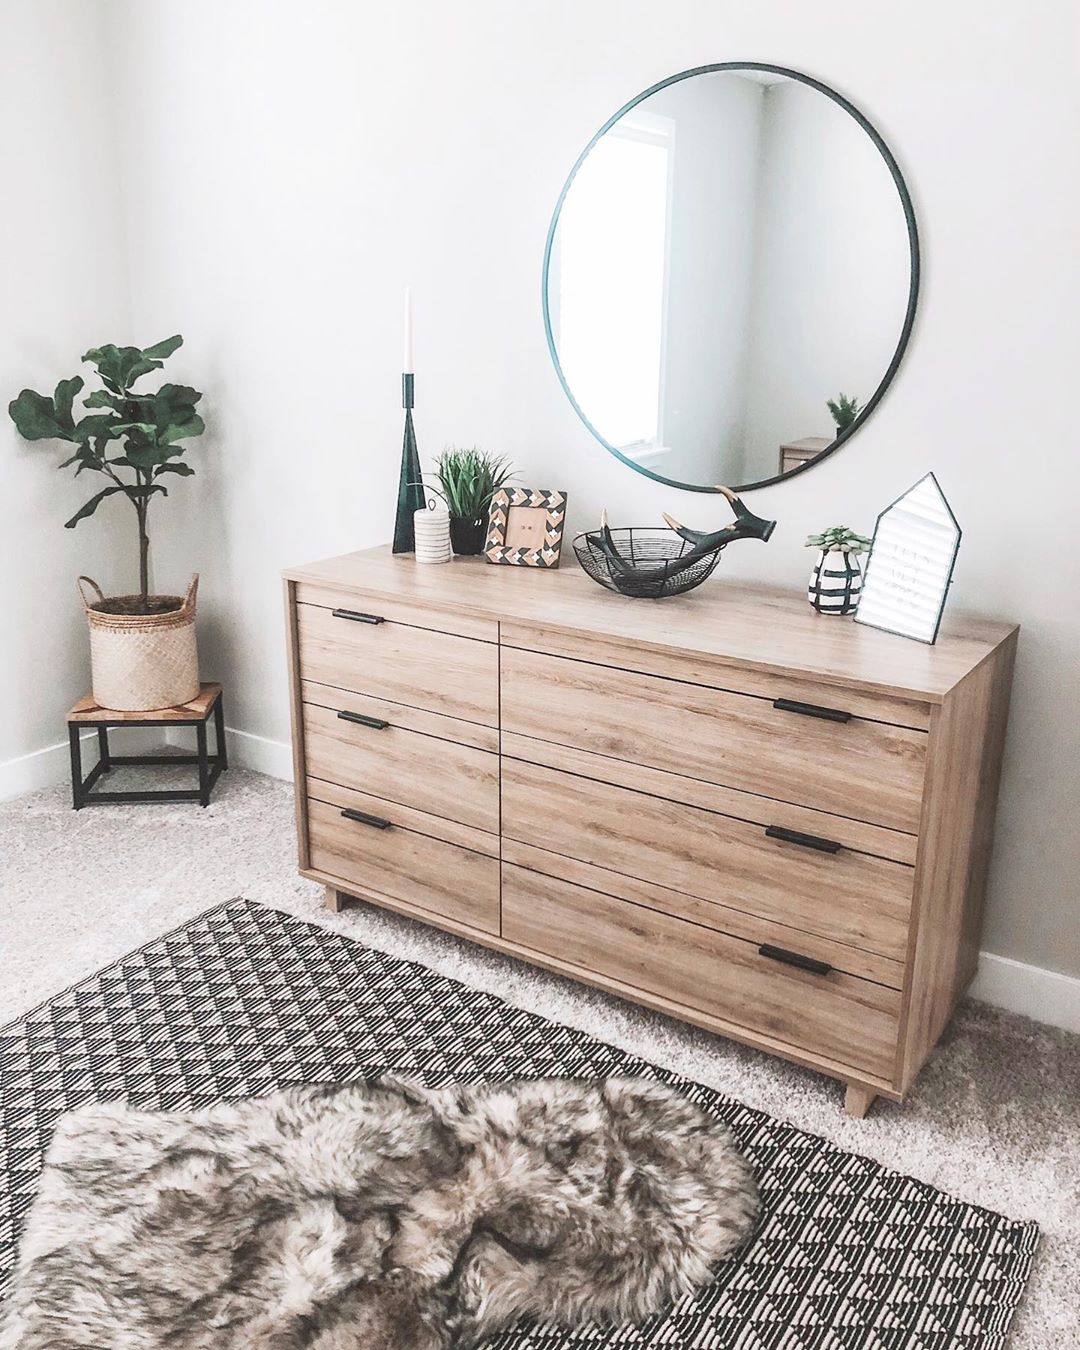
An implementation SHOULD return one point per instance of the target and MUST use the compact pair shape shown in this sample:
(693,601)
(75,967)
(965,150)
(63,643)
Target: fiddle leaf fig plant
(132,437)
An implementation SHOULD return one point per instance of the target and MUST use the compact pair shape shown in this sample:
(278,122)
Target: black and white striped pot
(835,582)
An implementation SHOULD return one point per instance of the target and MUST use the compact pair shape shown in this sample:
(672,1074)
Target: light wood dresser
(770,823)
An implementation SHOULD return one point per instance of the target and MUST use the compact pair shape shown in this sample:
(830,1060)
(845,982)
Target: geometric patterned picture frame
(545,548)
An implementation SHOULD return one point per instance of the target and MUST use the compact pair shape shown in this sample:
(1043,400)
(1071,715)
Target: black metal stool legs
(219,732)
(209,766)
(76,766)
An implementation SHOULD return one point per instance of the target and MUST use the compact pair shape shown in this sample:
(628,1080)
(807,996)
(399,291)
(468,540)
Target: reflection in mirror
(731,255)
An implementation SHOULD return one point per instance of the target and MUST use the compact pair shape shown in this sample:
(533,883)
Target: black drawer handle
(376,722)
(797,837)
(362,818)
(811,710)
(357,617)
(794,959)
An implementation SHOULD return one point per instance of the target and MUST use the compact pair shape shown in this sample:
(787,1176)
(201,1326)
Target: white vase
(835,582)
(432,531)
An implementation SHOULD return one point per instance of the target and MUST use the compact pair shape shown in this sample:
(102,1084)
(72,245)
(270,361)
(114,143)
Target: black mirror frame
(913,289)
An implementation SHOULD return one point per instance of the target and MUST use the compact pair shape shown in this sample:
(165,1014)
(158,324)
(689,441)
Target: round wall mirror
(730,276)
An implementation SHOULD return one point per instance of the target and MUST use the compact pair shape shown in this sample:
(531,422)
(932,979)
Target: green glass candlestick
(410,484)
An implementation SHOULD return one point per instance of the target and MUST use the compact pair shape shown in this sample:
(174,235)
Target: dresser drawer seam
(758,796)
(777,674)
(408,829)
(623,900)
(401,623)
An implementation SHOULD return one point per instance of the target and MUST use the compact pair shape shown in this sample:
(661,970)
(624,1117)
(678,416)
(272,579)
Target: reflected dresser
(773,824)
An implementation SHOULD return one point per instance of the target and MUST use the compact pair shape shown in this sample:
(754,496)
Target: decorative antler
(606,544)
(747,526)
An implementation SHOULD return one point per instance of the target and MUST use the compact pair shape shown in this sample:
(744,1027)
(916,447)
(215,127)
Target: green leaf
(160,350)
(88,508)
(136,368)
(120,367)
(98,426)
(64,397)
(101,398)
(84,453)
(146,456)
(37,417)
(178,431)
(175,466)
(107,361)
(147,429)
(179,395)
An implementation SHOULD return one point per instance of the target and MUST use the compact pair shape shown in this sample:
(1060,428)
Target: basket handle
(82,591)
(189,596)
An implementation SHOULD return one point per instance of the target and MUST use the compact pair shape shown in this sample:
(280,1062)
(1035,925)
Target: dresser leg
(858,1100)
(334,900)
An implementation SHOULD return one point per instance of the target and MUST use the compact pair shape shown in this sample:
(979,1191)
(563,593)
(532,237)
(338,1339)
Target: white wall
(298,165)
(831,272)
(63,288)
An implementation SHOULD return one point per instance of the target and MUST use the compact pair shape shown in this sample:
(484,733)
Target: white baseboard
(39,769)
(260,753)
(1045,995)
(50,765)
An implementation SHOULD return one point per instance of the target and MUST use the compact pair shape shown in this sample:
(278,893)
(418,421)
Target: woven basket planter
(142,662)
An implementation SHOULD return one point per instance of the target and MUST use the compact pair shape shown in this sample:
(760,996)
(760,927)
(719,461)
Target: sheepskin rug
(381,1215)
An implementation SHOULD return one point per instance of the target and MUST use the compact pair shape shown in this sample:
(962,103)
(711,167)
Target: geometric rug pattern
(848,1255)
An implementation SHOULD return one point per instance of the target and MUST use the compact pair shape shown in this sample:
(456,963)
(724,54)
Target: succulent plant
(838,538)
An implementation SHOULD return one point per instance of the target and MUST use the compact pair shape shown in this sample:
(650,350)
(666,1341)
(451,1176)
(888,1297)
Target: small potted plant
(468,479)
(142,647)
(844,412)
(836,579)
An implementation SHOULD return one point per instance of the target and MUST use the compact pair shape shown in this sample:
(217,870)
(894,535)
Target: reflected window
(613,250)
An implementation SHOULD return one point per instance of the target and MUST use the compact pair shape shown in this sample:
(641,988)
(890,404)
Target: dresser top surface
(734,622)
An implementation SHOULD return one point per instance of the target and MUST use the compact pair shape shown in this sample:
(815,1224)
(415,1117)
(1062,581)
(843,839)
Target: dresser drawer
(846,1019)
(381,755)
(443,672)
(399,862)
(846,896)
(850,766)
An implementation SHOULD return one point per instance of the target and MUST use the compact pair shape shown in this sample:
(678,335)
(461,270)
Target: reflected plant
(844,411)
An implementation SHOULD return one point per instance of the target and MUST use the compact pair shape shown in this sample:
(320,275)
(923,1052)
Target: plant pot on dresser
(714,806)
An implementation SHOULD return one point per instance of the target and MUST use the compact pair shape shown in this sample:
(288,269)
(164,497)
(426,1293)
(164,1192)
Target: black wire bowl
(650,552)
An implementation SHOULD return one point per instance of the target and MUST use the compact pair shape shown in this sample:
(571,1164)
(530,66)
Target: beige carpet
(994,1118)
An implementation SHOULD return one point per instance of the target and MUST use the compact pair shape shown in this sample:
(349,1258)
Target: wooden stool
(196,713)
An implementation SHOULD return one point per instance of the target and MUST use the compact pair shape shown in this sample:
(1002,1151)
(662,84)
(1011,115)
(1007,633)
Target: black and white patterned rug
(245,999)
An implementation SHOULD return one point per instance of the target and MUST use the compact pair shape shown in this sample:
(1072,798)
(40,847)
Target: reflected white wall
(831,272)
(714,192)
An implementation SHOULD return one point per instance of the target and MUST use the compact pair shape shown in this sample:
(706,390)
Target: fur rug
(378,1215)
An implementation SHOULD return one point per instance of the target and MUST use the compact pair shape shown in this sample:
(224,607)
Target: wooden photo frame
(525,527)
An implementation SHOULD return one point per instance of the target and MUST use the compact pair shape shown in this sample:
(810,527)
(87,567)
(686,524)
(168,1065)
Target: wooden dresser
(770,823)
